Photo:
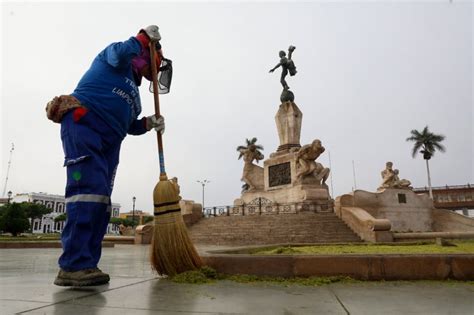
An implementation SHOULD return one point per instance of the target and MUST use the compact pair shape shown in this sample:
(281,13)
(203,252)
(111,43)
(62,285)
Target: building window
(402,198)
(60,207)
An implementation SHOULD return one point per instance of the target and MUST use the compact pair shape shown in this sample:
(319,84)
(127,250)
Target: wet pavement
(26,277)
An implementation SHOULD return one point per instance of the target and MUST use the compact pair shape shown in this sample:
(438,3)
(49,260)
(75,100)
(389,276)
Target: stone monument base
(297,199)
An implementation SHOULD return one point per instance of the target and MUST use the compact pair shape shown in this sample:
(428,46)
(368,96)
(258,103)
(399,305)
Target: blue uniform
(91,142)
(108,88)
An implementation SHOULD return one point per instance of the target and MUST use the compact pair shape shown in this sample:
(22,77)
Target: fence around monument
(216,211)
(262,206)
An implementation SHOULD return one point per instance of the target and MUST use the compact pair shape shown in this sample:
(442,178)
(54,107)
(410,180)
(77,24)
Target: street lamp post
(203,184)
(133,215)
(9,196)
(8,170)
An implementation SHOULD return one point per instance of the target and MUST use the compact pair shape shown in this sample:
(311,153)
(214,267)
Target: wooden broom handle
(154,71)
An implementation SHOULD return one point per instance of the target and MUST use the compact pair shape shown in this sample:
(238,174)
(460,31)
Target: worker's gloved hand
(155,123)
(153,32)
(149,33)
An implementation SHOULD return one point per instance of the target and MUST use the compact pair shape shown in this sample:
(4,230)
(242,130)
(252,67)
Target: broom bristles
(172,251)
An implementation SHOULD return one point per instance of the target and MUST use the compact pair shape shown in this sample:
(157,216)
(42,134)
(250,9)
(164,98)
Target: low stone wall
(120,239)
(446,221)
(406,211)
(366,226)
(403,237)
(363,267)
(143,234)
(195,215)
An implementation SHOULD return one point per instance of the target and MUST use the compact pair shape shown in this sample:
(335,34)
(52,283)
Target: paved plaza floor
(26,287)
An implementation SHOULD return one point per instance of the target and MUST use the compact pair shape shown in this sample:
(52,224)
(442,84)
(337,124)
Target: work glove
(155,123)
(149,33)
(153,32)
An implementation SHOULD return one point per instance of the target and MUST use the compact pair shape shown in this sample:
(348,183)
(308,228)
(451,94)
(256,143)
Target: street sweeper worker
(95,118)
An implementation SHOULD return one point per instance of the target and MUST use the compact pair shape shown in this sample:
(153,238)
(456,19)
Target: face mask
(138,65)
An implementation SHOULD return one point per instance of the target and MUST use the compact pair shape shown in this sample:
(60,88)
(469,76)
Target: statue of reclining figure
(390,178)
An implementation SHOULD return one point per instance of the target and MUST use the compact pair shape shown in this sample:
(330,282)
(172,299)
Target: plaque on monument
(279,174)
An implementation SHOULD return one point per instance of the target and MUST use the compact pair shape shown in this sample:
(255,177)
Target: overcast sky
(368,73)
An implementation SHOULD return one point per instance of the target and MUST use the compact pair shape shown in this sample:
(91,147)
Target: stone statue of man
(307,165)
(390,178)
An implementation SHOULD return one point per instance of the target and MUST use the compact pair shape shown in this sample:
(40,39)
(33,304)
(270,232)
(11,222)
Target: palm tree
(426,143)
(251,144)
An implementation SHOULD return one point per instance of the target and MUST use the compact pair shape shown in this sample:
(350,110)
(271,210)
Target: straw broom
(172,251)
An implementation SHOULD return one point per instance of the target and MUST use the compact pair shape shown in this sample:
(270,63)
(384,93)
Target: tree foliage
(147,219)
(124,222)
(14,219)
(60,218)
(35,210)
(115,221)
(249,144)
(426,142)
(130,222)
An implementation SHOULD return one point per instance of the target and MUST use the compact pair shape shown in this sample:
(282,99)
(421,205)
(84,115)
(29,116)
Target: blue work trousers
(91,150)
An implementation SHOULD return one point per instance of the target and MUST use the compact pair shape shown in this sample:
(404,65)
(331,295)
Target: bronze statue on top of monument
(287,65)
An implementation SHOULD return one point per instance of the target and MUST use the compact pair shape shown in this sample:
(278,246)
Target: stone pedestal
(288,120)
(282,193)
(297,199)
(279,171)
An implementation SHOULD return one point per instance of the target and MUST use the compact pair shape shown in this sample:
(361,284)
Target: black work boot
(81,278)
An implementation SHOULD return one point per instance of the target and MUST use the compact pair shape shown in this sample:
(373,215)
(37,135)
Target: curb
(362,267)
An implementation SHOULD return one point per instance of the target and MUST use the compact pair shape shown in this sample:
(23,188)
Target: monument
(291,180)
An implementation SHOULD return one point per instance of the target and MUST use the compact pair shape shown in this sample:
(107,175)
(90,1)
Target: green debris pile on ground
(207,275)
(462,247)
(200,276)
(310,281)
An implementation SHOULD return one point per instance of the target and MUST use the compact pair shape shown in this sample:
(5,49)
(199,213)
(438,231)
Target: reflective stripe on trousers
(89,198)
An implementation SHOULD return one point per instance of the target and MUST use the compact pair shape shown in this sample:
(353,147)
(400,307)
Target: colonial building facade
(57,203)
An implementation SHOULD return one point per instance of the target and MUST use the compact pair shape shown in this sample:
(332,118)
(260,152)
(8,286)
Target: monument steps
(272,229)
